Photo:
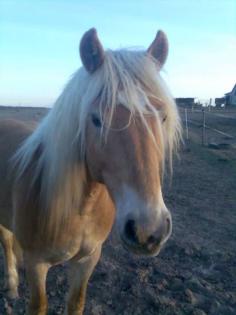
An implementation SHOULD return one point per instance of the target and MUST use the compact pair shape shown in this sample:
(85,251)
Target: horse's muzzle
(140,241)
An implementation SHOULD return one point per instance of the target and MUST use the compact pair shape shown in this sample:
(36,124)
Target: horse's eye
(96,121)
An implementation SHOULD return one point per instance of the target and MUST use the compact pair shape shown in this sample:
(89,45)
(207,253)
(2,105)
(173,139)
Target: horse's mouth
(141,249)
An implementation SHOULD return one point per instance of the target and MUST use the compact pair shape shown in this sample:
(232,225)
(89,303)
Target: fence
(209,125)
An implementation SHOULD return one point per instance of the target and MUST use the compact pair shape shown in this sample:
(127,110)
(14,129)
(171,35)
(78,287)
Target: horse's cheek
(94,161)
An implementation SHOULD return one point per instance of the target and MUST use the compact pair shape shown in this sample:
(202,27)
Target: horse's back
(12,134)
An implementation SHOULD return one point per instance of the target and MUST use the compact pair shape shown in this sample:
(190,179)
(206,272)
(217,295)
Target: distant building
(185,101)
(230,98)
(220,101)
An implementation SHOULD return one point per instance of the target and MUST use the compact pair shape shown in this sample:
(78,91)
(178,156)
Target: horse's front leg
(80,272)
(10,262)
(36,272)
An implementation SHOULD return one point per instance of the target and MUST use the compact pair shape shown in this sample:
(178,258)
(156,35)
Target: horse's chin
(141,250)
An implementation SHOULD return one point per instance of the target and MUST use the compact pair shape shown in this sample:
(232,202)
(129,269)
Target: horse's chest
(86,231)
(78,241)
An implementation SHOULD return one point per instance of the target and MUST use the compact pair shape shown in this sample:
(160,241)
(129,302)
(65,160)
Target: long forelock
(132,79)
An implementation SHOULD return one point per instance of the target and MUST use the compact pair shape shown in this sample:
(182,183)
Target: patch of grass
(212,157)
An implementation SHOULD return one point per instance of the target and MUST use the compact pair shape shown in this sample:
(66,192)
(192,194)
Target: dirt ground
(195,274)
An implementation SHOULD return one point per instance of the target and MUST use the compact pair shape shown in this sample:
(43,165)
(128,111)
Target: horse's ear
(159,48)
(91,51)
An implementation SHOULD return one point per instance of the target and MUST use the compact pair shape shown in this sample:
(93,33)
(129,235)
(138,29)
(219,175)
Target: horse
(98,157)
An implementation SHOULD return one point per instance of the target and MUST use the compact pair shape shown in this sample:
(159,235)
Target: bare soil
(195,274)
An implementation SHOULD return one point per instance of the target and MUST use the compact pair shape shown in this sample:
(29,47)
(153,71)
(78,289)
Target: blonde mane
(126,77)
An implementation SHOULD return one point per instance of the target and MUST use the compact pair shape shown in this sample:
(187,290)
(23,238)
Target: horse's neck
(93,192)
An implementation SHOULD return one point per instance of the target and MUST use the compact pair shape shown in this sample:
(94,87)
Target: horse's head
(126,142)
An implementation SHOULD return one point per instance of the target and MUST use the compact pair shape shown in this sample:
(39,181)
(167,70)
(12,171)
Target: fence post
(203,126)
(186,122)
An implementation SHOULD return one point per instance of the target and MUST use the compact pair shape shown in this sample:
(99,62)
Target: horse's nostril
(130,231)
(163,231)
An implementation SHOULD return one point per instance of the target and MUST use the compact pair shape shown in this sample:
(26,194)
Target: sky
(39,43)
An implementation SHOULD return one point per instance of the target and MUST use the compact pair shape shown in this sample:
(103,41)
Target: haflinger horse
(98,156)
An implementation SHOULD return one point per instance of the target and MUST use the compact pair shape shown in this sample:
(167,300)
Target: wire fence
(209,125)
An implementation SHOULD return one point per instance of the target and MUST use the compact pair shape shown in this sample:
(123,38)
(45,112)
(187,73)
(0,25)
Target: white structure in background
(205,102)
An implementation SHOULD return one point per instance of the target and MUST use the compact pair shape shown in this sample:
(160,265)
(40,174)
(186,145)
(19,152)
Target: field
(195,274)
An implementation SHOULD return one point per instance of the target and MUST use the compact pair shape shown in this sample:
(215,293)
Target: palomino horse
(97,155)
